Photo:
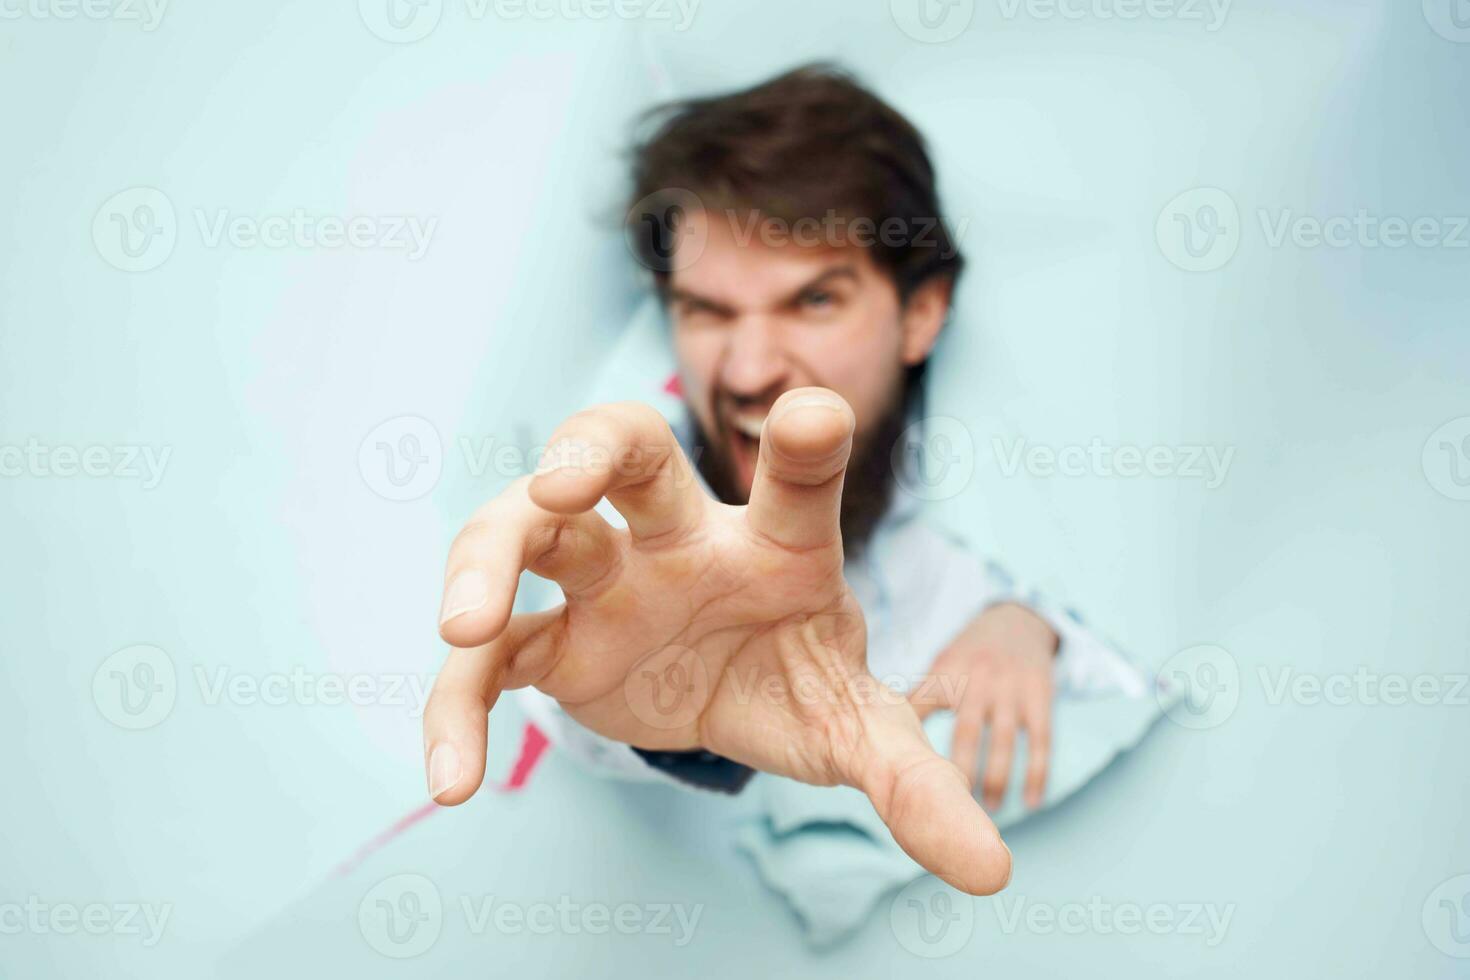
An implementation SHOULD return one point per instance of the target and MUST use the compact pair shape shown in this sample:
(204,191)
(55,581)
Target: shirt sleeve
(1086,662)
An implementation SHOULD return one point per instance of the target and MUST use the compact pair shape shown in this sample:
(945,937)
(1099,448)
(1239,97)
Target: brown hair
(809,144)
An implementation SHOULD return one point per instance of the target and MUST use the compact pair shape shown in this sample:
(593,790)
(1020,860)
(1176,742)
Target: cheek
(698,358)
(862,362)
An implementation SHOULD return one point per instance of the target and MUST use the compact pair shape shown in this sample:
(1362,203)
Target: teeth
(748,425)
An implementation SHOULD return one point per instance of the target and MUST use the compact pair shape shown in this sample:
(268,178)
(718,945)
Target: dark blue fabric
(700,768)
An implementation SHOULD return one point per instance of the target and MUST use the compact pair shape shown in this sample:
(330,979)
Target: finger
(796,497)
(506,536)
(626,453)
(931,695)
(1038,748)
(964,741)
(457,714)
(1002,753)
(925,801)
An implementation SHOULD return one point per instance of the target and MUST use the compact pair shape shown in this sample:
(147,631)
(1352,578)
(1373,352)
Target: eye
(818,299)
(696,311)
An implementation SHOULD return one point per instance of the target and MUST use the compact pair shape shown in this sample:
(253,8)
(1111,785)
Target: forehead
(741,262)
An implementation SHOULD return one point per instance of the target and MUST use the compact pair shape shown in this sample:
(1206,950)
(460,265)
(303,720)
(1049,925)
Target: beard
(867,487)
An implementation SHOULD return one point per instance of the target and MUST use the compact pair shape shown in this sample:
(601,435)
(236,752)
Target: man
(796,241)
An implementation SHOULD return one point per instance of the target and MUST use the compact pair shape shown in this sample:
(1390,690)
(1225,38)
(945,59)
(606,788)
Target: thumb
(925,801)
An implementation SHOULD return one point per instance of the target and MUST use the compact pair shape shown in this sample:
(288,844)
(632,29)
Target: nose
(753,363)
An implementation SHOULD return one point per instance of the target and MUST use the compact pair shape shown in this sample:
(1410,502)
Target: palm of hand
(701,625)
(726,641)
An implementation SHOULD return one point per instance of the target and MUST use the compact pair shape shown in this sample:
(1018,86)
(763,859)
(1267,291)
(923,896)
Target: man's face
(753,319)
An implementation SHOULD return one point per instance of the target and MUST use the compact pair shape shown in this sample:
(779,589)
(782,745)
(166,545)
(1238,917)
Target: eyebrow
(844,271)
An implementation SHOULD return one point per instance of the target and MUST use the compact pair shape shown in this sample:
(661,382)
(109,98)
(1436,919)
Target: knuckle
(499,507)
(477,530)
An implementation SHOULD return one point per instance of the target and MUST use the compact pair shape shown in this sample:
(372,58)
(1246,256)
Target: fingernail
(1011,871)
(466,593)
(443,770)
(808,401)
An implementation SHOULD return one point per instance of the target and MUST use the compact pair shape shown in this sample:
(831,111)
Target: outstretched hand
(702,625)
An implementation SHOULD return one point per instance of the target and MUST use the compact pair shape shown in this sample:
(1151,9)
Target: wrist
(1013,623)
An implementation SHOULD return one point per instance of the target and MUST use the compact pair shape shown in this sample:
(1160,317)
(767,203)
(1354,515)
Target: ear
(923,317)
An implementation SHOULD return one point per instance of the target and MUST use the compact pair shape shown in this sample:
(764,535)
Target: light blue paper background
(264,549)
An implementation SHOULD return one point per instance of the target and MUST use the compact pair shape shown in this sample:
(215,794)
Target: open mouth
(744,430)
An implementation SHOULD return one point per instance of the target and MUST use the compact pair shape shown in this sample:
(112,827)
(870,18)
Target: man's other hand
(997,675)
